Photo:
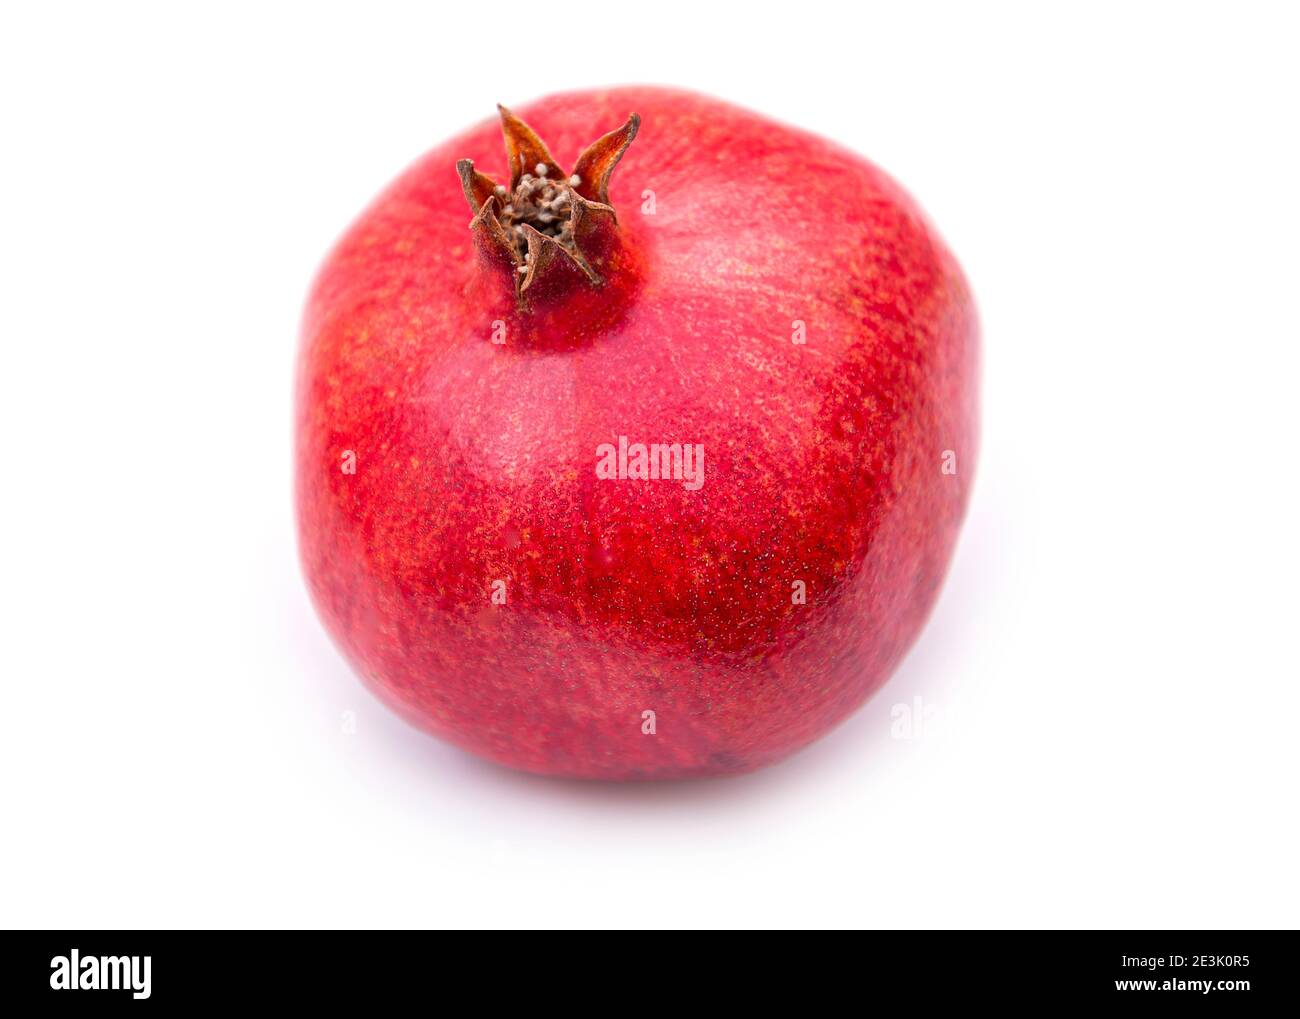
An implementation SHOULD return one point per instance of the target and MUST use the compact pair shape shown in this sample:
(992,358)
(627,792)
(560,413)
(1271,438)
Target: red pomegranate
(637,475)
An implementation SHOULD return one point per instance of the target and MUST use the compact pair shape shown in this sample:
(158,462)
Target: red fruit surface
(475,462)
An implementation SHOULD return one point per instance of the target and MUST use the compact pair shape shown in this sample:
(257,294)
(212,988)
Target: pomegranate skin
(837,468)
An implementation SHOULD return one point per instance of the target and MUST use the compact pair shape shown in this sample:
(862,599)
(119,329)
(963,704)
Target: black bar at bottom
(97,971)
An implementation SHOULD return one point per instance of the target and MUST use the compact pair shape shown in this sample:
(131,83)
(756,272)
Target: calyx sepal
(546,218)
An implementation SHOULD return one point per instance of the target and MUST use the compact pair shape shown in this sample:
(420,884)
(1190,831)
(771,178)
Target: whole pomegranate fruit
(641,477)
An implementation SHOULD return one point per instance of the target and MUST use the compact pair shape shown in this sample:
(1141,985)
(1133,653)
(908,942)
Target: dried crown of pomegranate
(545,213)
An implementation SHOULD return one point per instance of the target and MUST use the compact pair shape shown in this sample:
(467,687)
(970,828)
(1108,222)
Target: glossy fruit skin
(828,462)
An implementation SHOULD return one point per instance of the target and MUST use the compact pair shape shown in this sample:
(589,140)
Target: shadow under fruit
(636,447)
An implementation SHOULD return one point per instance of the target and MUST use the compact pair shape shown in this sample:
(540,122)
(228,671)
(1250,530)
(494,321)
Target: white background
(1109,682)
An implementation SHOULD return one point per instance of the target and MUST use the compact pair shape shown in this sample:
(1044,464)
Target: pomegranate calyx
(545,214)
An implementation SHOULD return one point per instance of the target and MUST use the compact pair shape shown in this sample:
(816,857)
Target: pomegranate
(637,475)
